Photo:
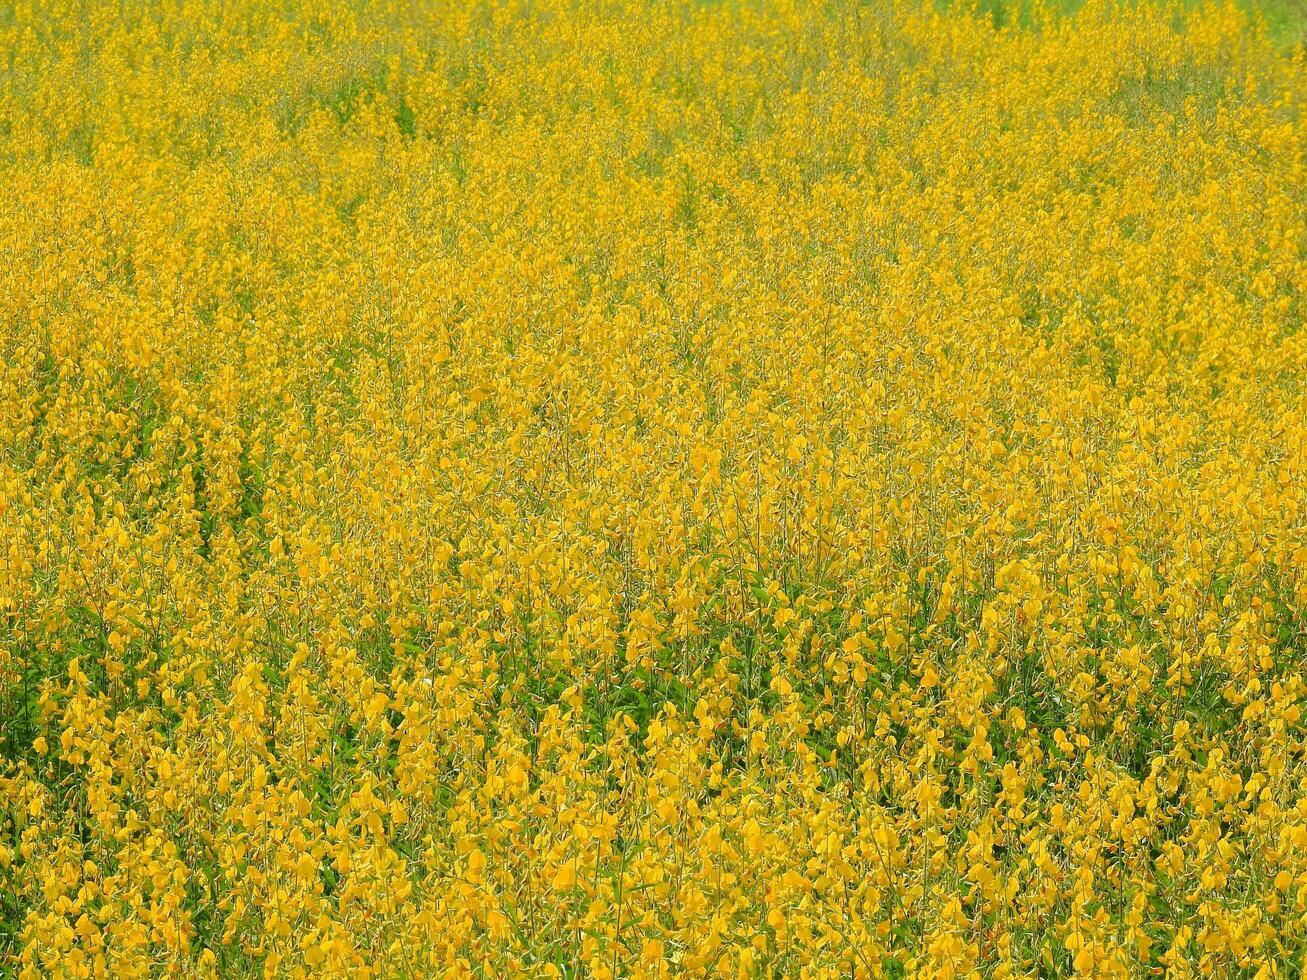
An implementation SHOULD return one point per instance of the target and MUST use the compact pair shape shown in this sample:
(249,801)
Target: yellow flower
(649,489)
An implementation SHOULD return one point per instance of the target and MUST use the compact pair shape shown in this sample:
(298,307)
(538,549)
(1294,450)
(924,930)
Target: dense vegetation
(609,488)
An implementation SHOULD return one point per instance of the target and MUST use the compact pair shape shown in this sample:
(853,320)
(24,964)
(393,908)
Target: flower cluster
(609,488)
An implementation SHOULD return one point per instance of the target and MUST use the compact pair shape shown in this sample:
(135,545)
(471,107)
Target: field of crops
(605,488)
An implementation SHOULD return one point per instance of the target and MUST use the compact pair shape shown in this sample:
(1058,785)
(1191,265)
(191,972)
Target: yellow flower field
(614,488)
